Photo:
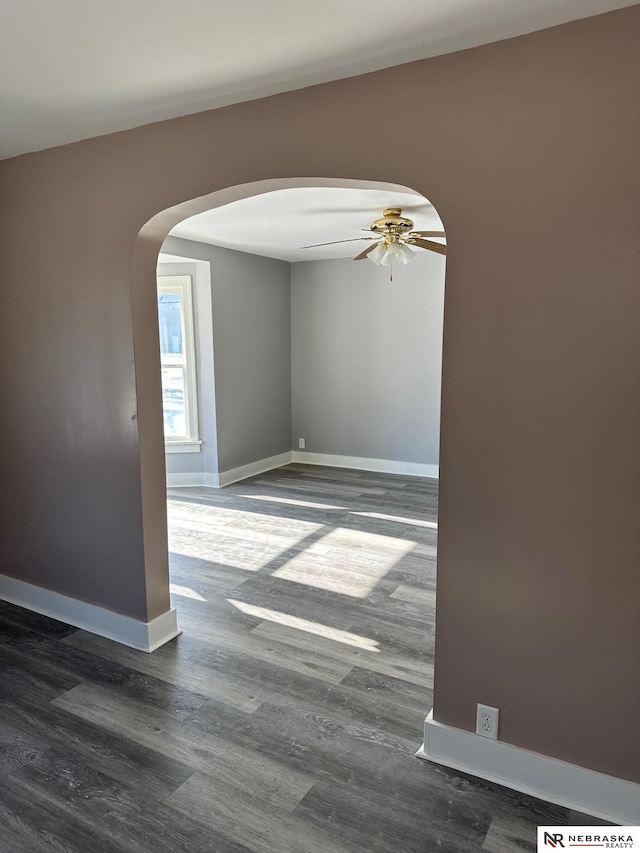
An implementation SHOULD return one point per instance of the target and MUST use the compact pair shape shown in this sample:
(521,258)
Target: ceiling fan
(393,239)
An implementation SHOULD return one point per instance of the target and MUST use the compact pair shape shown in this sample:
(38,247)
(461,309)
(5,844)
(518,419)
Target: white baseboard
(234,475)
(145,636)
(177,481)
(547,778)
(361,463)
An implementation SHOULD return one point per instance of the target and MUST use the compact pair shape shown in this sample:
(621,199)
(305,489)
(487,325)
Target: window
(177,356)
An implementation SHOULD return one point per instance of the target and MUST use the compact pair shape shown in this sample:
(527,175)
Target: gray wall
(251,308)
(366,358)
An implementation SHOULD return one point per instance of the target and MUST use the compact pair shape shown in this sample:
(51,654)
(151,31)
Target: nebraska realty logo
(604,837)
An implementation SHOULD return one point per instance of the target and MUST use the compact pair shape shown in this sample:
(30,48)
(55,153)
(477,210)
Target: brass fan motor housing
(392,224)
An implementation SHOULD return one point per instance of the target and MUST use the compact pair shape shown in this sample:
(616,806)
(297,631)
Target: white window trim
(176,445)
(189,443)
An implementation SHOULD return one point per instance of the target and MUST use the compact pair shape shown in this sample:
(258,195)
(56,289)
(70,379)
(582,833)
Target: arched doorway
(143,289)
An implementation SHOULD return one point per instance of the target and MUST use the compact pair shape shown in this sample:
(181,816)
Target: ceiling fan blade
(429,244)
(333,242)
(427,234)
(364,254)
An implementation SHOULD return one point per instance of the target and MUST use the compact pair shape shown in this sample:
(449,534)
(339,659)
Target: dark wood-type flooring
(286,717)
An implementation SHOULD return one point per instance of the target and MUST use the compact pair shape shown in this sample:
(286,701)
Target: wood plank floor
(283,720)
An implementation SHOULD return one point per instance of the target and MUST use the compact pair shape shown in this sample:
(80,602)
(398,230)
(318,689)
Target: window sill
(182,446)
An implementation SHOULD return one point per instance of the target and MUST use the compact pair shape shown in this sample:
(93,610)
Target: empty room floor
(285,718)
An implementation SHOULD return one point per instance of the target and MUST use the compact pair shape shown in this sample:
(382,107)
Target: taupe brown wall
(529,150)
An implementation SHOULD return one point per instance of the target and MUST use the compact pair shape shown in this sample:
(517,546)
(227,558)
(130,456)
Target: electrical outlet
(301,443)
(487,721)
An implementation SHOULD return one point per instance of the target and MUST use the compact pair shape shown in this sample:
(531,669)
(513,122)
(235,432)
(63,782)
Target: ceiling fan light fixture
(405,254)
(392,253)
(394,240)
(378,254)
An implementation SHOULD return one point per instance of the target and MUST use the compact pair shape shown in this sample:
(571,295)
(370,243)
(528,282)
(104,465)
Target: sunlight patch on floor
(418,522)
(242,540)
(250,556)
(350,562)
(307,626)
(194,511)
(291,502)
(185,592)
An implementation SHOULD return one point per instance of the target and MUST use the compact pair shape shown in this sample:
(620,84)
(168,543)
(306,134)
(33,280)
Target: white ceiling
(279,224)
(72,69)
